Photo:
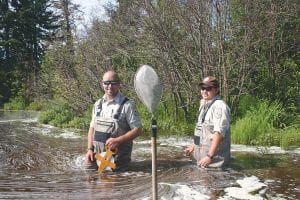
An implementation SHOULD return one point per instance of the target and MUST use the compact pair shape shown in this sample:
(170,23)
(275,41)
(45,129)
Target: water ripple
(44,162)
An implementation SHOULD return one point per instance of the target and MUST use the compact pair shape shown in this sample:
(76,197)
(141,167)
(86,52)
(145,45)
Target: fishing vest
(203,139)
(105,127)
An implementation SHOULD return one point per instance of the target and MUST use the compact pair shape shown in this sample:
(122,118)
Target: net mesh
(148,87)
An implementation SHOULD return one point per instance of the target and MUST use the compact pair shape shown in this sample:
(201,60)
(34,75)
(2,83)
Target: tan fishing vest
(203,138)
(105,128)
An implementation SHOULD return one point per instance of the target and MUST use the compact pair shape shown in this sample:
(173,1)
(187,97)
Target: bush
(257,125)
(59,116)
(246,103)
(38,105)
(165,122)
(47,116)
(78,122)
(290,138)
(82,122)
(17,103)
(272,138)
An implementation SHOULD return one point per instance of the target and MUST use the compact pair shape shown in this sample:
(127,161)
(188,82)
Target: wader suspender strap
(117,115)
(206,110)
(99,108)
(103,136)
(197,138)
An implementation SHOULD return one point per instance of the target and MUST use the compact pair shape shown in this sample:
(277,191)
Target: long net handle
(154,174)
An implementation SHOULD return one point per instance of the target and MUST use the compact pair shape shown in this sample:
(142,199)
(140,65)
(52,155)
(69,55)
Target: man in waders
(211,146)
(115,123)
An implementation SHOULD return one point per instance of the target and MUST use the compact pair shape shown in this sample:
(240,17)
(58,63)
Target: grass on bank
(258,127)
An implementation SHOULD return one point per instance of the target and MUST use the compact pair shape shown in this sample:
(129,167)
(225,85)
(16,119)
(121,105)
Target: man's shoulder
(129,103)
(220,103)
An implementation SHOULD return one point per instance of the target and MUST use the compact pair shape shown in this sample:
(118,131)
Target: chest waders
(105,128)
(203,139)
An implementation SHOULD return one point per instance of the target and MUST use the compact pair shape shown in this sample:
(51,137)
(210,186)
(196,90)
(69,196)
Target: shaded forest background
(251,46)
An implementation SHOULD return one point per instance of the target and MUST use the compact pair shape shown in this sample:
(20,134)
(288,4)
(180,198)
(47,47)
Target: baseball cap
(210,81)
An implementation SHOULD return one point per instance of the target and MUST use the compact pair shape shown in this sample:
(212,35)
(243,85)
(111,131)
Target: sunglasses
(207,88)
(113,82)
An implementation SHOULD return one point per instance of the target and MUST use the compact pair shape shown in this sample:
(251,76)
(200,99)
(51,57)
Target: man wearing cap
(211,146)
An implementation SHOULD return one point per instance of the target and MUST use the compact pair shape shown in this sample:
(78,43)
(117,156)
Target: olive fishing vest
(105,127)
(203,138)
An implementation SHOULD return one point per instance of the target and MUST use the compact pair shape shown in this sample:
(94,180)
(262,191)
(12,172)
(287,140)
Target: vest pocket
(196,140)
(101,136)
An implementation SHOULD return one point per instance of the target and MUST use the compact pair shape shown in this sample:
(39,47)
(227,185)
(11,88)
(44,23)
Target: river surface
(43,162)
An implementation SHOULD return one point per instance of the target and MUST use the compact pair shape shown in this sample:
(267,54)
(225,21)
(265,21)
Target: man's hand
(89,156)
(204,162)
(112,143)
(190,150)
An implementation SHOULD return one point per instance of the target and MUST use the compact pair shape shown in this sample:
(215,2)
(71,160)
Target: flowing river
(43,162)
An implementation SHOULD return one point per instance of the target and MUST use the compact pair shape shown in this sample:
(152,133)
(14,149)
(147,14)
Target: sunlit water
(43,162)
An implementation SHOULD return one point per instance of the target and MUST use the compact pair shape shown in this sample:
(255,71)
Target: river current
(43,162)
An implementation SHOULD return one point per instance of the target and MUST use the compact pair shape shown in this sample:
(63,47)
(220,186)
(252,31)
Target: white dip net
(148,87)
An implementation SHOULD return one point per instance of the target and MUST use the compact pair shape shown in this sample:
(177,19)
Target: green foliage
(290,138)
(256,128)
(38,105)
(58,115)
(26,27)
(284,87)
(246,103)
(62,115)
(23,103)
(145,116)
(165,122)
(82,122)
(259,127)
(78,122)
(263,141)
(17,103)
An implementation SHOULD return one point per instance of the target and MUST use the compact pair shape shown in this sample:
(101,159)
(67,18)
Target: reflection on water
(43,162)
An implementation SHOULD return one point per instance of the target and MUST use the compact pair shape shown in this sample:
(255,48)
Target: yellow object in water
(105,160)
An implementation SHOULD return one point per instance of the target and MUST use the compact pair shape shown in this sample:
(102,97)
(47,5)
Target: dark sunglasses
(113,82)
(207,88)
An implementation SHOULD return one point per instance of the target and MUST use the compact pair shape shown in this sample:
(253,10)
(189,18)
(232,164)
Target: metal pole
(154,175)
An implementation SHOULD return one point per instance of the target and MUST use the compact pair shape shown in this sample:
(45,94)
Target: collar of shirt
(118,98)
(203,102)
(110,107)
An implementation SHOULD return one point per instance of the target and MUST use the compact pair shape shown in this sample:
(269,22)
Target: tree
(5,55)
(27,27)
(264,42)
(67,10)
(185,41)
